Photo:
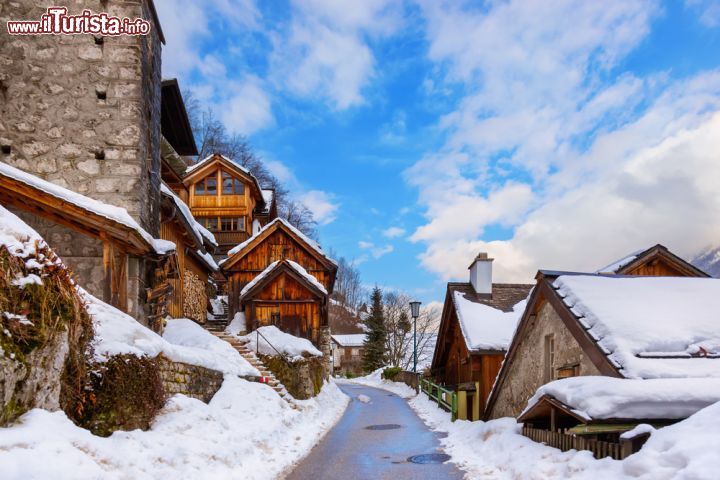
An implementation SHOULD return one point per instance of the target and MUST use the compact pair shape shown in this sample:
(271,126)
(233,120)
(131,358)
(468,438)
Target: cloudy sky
(552,134)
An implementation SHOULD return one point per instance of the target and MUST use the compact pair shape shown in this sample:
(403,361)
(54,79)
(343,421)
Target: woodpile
(195,301)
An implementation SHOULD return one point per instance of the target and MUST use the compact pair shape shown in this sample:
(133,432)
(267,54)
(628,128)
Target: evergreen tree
(374,347)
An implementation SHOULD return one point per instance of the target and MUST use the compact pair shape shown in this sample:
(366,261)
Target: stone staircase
(217,324)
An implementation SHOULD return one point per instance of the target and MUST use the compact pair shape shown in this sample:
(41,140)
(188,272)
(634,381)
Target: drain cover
(426,458)
(383,426)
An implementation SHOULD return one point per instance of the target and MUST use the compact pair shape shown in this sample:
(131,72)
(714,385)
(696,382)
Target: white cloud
(582,163)
(709,11)
(247,108)
(375,251)
(324,52)
(321,204)
(393,232)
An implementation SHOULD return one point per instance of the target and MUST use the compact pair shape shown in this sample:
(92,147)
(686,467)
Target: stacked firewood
(195,302)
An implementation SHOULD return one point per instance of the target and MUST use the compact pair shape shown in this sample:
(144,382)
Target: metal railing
(257,346)
(446,399)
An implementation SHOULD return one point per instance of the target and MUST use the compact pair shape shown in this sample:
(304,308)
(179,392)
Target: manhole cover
(429,458)
(383,426)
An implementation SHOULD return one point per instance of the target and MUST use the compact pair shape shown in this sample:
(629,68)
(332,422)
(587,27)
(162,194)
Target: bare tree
(399,341)
(300,216)
(348,291)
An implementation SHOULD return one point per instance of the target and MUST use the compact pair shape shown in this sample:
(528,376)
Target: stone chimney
(481,274)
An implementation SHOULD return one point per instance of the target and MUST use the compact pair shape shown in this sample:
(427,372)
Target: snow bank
(117,333)
(237,325)
(596,398)
(485,327)
(294,347)
(633,318)
(246,432)
(496,450)
(117,214)
(375,379)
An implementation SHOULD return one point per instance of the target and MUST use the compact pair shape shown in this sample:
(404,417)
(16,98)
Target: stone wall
(191,380)
(84,112)
(526,372)
(302,379)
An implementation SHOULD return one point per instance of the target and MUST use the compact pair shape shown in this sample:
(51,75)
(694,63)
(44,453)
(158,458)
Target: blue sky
(551,134)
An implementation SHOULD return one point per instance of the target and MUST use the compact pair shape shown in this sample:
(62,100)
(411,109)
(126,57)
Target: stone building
(83,112)
(559,337)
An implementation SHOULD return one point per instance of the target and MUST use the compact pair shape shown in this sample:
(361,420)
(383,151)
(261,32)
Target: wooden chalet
(347,353)
(655,261)
(477,321)
(227,200)
(281,277)
(121,240)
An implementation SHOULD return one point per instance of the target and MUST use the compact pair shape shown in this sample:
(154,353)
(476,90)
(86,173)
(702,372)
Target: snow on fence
(565,441)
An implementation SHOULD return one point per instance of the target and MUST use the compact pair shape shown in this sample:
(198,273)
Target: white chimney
(481,274)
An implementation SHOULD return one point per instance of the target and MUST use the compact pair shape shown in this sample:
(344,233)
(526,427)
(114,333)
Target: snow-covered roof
(184,211)
(615,266)
(208,259)
(649,327)
(111,212)
(602,398)
(309,241)
(294,266)
(207,160)
(350,340)
(485,327)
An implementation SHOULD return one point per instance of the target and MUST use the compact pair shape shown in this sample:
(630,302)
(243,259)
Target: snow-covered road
(351,450)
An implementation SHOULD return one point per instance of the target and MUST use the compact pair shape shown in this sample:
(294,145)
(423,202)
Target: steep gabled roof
(627,264)
(276,268)
(174,120)
(200,168)
(631,326)
(239,251)
(74,210)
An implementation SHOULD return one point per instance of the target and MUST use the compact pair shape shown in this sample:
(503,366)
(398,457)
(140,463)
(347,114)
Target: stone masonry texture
(84,112)
(191,380)
(526,372)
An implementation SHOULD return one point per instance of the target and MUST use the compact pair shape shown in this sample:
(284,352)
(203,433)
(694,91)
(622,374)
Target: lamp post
(415,313)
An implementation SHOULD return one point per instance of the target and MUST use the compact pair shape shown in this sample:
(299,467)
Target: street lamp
(415,313)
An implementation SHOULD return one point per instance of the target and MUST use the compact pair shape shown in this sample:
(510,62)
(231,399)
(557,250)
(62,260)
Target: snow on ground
(217,304)
(246,432)
(496,450)
(238,324)
(185,341)
(597,398)
(375,379)
(645,321)
(294,347)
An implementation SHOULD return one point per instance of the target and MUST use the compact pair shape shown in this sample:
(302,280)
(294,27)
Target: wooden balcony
(227,240)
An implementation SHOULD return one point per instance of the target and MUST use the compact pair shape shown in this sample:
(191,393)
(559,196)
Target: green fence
(446,399)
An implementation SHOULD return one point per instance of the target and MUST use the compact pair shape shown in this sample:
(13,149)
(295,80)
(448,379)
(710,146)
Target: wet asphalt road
(352,452)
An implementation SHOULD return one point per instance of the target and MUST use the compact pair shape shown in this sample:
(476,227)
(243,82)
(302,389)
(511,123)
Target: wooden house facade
(227,200)
(469,351)
(281,277)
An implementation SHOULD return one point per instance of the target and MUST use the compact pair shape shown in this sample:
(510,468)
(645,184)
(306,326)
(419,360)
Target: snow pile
(485,327)
(375,379)
(117,333)
(497,450)
(17,236)
(309,241)
(237,325)
(217,305)
(246,432)
(111,212)
(597,398)
(634,318)
(295,348)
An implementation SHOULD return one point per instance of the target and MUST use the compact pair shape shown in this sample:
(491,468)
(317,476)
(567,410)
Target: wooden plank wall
(170,231)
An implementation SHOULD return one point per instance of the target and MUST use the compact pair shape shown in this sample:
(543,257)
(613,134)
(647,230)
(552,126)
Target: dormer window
(231,185)
(207,186)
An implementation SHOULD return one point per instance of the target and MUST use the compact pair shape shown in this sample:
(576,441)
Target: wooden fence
(446,399)
(566,441)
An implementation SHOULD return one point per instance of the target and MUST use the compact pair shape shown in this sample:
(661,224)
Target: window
(568,371)
(549,356)
(232,224)
(231,185)
(207,186)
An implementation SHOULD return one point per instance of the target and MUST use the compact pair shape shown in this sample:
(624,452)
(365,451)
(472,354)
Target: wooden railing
(566,441)
(230,237)
(446,399)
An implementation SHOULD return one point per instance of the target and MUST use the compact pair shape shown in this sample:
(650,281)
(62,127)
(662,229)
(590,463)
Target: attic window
(207,186)
(231,185)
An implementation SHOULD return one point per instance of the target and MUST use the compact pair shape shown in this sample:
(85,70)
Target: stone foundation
(302,379)
(190,380)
